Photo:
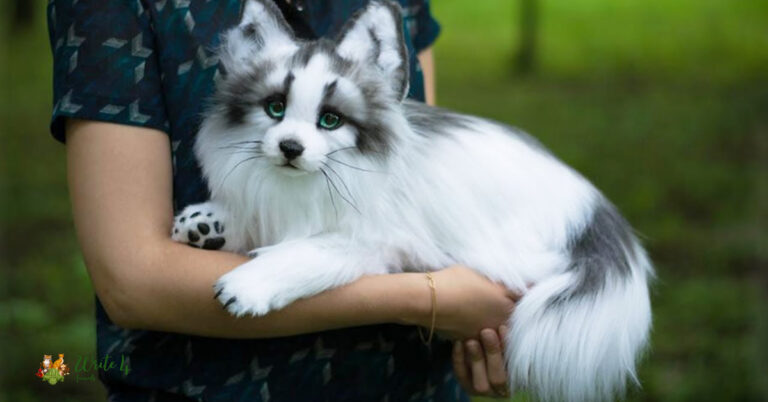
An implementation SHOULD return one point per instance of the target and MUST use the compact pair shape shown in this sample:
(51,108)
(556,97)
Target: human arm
(427,62)
(120,187)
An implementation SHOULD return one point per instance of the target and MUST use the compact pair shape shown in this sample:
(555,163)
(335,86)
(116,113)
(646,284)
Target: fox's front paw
(201,226)
(259,286)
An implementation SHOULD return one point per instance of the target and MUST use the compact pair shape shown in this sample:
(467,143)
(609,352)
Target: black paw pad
(214,243)
(203,228)
(195,215)
(216,296)
(193,236)
(218,227)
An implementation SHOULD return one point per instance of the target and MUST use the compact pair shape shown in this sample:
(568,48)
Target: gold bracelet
(434,310)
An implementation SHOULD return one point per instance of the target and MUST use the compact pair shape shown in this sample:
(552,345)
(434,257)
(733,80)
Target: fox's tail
(576,336)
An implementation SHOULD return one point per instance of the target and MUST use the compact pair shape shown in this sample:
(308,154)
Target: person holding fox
(131,80)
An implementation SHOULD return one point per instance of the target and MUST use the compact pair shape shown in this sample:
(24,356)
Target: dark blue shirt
(150,63)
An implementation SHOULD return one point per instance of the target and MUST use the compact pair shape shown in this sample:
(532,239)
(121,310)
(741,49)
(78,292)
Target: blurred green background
(662,103)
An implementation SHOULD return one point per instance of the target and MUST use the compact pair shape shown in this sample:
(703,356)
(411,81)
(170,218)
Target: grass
(661,103)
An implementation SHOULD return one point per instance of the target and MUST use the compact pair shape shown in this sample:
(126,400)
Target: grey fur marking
(287,83)
(308,50)
(349,24)
(430,120)
(404,69)
(328,91)
(251,32)
(602,251)
(376,44)
(301,58)
(374,135)
(237,95)
(339,65)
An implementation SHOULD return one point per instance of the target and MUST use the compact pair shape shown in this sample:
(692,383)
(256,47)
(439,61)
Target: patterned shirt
(150,63)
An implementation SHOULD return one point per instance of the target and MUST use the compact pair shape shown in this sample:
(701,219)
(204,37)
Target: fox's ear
(262,34)
(375,35)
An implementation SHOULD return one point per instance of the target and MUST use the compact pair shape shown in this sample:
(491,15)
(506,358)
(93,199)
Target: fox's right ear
(261,34)
(375,35)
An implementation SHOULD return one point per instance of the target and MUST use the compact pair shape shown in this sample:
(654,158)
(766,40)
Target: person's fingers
(514,295)
(460,366)
(477,364)
(494,361)
(503,331)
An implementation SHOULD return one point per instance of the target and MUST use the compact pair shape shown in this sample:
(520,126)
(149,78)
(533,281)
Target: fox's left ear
(375,35)
(262,34)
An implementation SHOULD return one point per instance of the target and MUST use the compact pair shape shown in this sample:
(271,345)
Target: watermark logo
(52,372)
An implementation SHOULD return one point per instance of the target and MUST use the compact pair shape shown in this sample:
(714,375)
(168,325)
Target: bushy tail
(576,337)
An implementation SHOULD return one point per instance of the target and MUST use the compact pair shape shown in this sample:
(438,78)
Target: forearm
(175,295)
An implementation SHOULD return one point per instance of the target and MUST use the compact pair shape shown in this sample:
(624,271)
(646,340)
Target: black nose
(291,149)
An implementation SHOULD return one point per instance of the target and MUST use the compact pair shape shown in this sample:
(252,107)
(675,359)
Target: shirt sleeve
(105,65)
(422,26)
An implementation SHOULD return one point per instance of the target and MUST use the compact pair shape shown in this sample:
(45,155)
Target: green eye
(329,121)
(276,109)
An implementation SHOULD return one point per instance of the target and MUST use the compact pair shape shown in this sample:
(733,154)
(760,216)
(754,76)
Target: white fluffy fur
(239,54)
(475,194)
(379,25)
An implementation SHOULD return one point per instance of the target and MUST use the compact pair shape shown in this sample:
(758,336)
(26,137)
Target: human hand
(468,302)
(479,364)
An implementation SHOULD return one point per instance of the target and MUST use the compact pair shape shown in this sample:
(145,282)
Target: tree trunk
(23,14)
(525,59)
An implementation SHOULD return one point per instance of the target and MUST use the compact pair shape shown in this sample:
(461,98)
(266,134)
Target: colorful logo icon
(52,372)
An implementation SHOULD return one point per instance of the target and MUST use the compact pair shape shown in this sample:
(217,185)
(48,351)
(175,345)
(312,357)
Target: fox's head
(293,106)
